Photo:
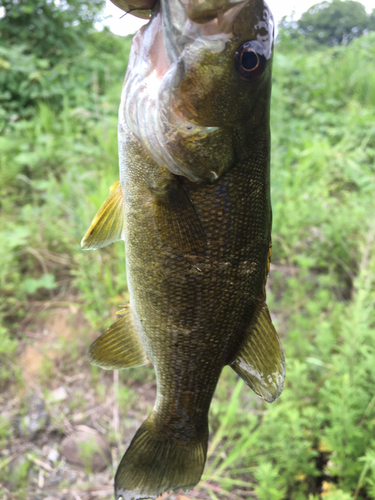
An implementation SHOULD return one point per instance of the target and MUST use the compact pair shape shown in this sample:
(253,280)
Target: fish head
(199,82)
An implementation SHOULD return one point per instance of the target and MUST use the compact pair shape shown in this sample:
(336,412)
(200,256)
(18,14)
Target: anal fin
(107,225)
(260,360)
(119,347)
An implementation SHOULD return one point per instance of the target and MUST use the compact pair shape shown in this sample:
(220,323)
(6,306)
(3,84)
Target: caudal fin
(155,463)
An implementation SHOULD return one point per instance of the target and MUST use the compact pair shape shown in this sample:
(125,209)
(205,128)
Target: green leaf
(47,281)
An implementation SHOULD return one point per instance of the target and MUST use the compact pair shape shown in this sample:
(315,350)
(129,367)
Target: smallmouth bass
(193,207)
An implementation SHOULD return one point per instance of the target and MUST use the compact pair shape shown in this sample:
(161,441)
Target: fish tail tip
(154,464)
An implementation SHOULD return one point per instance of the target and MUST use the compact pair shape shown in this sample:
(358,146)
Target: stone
(34,420)
(86,447)
(53,455)
(57,395)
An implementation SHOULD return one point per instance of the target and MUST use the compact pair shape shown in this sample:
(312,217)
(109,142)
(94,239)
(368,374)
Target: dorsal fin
(108,224)
(260,360)
(119,347)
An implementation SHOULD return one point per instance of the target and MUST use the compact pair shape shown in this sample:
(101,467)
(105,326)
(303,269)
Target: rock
(71,478)
(55,478)
(86,447)
(33,421)
(53,455)
(57,395)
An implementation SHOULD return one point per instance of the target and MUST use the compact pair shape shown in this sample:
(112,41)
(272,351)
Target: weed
(317,438)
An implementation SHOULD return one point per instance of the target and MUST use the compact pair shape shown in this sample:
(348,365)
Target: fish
(193,207)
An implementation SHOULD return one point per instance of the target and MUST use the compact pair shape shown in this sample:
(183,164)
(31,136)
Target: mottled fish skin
(194,146)
(194,308)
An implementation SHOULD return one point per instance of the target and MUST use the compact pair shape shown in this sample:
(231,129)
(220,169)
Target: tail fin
(155,463)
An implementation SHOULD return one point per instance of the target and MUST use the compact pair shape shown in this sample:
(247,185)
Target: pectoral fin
(107,225)
(176,218)
(119,347)
(260,360)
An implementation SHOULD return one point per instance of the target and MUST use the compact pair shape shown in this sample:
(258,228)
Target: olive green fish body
(194,305)
(193,206)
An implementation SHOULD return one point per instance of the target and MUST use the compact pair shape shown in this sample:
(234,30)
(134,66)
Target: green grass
(55,172)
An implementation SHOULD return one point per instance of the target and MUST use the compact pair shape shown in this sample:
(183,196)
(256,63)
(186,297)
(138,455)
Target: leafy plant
(48,29)
(56,168)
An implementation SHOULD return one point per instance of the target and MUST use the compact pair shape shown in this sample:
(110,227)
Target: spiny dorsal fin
(108,224)
(119,347)
(260,360)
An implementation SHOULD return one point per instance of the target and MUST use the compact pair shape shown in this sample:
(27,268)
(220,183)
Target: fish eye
(249,60)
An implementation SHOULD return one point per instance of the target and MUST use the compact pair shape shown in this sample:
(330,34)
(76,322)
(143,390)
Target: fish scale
(221,311)
(193,207)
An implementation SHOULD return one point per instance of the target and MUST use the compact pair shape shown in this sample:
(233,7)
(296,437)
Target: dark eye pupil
(249,60)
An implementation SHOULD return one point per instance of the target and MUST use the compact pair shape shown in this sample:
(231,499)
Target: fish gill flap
(260,360)
(107,225)
(119,347)
(176,219)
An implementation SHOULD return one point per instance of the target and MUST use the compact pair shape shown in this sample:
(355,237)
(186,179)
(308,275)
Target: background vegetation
(58,157)
(330,23)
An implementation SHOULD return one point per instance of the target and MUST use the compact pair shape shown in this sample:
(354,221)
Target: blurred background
(65,424)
